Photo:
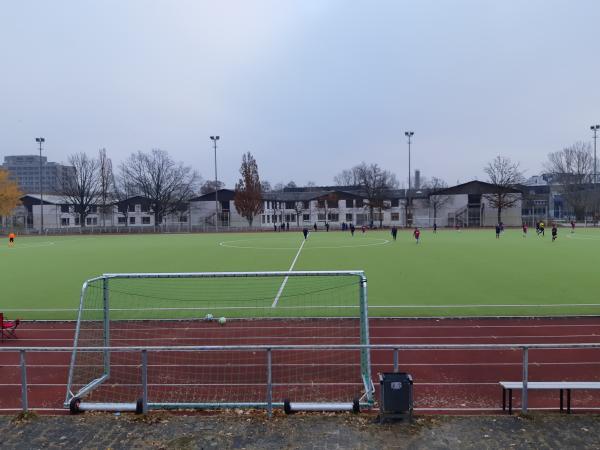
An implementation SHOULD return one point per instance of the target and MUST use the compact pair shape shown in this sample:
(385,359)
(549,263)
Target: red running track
(444,380)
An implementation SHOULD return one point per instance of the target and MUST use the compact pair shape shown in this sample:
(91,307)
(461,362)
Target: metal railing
(269,404)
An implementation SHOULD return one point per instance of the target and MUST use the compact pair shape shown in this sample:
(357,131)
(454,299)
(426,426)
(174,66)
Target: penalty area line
(285,280)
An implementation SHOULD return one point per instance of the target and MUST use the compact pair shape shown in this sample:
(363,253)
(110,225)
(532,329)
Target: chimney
(417,179)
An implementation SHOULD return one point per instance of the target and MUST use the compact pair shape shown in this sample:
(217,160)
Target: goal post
(208,339)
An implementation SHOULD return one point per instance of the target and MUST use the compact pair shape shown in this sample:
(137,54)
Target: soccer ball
(209,317)
(222,321)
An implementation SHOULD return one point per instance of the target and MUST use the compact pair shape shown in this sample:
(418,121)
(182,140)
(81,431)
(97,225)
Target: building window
(93,209)
(64,208)
(183,219)
(132,220)
(306,205)
(64,221)
(122,220)
(321,217)
(289,205)
(349,218)
(395,203)
(262,218)
(321,204)
(359,203)
(77,220)
(395,217)
(144,207)
(334,217)
(274,218)
(332,203)
(91,221)
(306,217)
(145,220)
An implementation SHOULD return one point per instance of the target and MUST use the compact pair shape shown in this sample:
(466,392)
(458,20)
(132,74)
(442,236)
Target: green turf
(447,270)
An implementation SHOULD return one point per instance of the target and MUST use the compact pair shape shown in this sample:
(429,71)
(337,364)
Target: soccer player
(572,226)
(327,226)
(364,229)
(542,228)
(434,227)
(315,227)
(537,228)
(554,232)
(394,232)
(352,229)
(498,229)
(417,235)
(305,232)
(11,239)
(524,230)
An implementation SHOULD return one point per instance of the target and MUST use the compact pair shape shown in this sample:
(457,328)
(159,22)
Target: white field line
(307,364)
(354,337)
(543,305)
(339,327)
(485,306)
(286,278)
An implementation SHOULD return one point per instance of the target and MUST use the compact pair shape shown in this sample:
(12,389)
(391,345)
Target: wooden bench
(560,385)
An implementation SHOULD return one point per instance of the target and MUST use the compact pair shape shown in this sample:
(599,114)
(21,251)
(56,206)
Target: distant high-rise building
(417,179)
(25,170)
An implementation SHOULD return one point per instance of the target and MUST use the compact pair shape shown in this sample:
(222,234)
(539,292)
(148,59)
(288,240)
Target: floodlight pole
(595,129)
(41,140)
(215,139)
(409,135)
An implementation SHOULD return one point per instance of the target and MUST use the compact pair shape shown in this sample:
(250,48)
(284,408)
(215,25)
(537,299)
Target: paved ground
(254,431)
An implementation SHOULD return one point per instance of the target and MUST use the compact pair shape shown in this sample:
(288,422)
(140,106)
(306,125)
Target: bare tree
(291,185)
(82,189)
(166,184)
(124,191)
(348,177)
(248,190)
(572,169)
(299,209)
(208,187)
(505,175)
(105,176)
(311,184)
(375,184)
(265,186)
(278,187)
(436,199)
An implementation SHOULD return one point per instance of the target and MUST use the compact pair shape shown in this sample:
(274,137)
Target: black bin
(396,400)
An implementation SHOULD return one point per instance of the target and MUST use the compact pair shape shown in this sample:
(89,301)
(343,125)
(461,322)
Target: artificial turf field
(467,273)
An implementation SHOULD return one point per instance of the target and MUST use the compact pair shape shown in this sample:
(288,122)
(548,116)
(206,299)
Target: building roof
(476,188)
(222,195)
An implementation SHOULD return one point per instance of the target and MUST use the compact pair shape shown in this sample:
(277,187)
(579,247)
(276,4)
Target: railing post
(269,383)
(395,360)
(144,381)
(24,404)
(525,376)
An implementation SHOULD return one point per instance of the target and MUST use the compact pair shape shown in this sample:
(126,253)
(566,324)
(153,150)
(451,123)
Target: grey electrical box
(396,400)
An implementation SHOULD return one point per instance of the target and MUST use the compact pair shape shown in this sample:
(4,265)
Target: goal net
(204,340)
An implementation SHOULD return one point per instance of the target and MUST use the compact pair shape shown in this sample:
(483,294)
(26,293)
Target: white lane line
(286,278)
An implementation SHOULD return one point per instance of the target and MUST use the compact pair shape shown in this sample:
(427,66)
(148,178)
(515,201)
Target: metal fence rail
(269,349)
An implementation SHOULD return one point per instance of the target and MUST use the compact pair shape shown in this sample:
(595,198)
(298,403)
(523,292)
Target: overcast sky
(310,87)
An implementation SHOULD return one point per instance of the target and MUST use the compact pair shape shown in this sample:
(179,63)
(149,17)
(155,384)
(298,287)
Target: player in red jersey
(572,226)
(524,230)
(417,235)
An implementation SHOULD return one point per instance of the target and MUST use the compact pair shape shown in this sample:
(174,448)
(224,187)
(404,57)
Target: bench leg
(503,399)
(568,401)
(510,401)
(561,400)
